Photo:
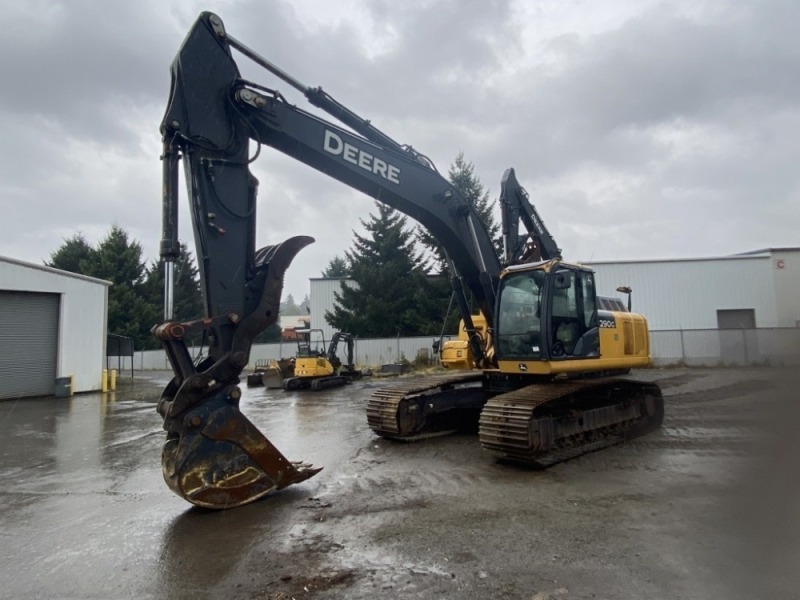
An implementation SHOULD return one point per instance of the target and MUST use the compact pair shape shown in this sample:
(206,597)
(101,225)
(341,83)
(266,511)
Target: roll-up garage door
(28,343)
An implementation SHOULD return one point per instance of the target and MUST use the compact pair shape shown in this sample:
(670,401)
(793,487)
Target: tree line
(399,271)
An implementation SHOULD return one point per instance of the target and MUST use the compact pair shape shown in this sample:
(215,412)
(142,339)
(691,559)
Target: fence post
(744,345)
(683,352)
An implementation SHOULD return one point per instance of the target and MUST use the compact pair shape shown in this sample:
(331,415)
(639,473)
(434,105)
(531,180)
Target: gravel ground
(706,508)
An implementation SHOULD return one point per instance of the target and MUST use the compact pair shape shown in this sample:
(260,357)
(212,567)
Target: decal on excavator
(336,146)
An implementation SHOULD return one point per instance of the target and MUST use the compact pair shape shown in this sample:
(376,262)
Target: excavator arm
(213,113)
(516,208)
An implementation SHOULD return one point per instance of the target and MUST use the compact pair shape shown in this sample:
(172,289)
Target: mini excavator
(546,362)
(321,369)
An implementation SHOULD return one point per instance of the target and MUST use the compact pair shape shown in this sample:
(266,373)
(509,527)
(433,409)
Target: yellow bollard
(104,381)
(113,385)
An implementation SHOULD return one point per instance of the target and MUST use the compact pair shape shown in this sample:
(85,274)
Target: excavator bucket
(218,459)
(271,373)
(272,378)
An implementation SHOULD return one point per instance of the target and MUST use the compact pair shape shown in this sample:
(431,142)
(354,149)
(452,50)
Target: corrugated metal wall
(81,334)
(28,343)
(785,267)
(322,299)
(686,294)
(699,347)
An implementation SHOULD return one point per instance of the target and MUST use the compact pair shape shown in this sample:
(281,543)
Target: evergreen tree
(463,178)
(337,267)
(187,297)
(289,306)
(305,305)
(72,255)
(393,294)
(119,260)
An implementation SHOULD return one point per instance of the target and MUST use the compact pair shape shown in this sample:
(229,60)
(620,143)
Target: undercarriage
(533,424)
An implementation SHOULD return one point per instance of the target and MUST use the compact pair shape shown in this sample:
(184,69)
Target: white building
(323,299)
(746,291)
(52,325)
(754,290)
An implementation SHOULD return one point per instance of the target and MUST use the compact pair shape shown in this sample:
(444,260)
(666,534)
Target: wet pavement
(706,508)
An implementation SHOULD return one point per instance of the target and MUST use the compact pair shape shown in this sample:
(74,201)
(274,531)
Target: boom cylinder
(170,246)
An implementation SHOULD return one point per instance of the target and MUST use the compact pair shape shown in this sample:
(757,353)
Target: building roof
(744,256)
(27,265)
(769,251)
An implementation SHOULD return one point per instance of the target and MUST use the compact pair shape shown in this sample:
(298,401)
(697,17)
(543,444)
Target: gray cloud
(668,131)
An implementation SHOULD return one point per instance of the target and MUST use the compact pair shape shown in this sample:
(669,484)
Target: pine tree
(463,178)
(337,267)
(289,306)
(72,255)
(119,260)
(187,297)
(305,305)
(392,294)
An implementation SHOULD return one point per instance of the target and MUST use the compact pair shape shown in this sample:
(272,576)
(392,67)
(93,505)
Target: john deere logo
(523,367)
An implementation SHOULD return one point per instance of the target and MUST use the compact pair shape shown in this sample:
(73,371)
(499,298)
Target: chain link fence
(690,347)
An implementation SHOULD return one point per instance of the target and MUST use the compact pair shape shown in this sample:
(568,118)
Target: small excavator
(271,372)
(321,369)
(547,366)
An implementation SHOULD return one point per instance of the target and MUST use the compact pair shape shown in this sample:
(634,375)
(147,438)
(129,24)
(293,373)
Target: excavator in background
(541,388)
(455,354)
(320,369)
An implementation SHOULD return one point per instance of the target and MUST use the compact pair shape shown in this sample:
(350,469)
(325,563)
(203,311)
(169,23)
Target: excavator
(321,370)
(543,378)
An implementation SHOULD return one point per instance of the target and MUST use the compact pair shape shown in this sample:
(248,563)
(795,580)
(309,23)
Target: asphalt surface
(705,508)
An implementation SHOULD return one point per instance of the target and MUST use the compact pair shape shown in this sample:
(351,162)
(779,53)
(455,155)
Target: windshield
(518,325)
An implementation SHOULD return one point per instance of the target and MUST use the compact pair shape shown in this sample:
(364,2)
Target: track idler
(214,457)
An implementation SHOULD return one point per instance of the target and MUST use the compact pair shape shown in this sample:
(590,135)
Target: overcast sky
(641,129)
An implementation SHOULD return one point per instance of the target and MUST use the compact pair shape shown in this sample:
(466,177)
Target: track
(407,411)
(537,425)
(542,424)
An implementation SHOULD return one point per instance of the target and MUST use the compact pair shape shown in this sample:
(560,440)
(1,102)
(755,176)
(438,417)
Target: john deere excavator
(541,382)
(321,369)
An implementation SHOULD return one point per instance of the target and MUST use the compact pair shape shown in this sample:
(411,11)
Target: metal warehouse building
(52,325)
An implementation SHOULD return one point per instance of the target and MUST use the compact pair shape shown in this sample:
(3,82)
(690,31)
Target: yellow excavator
(318,368)
(546,379)
(455,354)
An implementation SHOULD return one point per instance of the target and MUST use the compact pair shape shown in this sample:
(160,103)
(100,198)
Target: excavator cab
(547,312)
(549,322)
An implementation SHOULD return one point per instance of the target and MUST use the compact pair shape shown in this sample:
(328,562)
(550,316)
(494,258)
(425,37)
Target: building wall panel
(323,299)
(686,294)
(82,319)
(785,268)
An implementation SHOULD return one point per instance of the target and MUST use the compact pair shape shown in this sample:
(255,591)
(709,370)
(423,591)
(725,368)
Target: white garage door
(28,343)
